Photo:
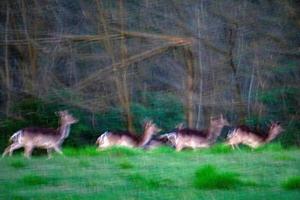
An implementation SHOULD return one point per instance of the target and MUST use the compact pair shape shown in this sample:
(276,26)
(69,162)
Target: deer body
(190,138)
(253,138)
(46,138)
(126,138)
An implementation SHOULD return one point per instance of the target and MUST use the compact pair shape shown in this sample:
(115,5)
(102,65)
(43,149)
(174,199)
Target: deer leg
(178,148)
(28,151)
(11,148)
(49,150)
(58,150)
(6,151)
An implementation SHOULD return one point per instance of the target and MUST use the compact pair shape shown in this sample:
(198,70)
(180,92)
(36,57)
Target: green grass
(208,177)
(126,165)
(292,183)
(18,164)
(120,173)
(34,180)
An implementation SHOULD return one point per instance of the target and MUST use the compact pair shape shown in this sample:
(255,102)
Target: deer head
(274,130)
(150,129)
(216,125)
(66,118)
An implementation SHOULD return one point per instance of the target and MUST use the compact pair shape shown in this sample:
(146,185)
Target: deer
(166,139)
(127,138)
(45,138)
(252,137)
(192,138)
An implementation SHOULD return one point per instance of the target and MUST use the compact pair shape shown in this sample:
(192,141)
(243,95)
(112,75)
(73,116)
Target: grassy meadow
(119,173)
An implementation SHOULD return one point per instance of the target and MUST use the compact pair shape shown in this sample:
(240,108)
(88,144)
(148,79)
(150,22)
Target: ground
(120,173)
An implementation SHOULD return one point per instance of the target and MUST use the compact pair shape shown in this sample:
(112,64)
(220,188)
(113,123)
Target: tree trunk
(7,70)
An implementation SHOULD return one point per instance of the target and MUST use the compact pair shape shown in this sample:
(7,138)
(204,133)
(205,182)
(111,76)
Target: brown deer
(251,137)
(191,138)
(166,139)
(46,138)
(126,138)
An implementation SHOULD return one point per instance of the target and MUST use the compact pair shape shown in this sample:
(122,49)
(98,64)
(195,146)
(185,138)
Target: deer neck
(64,130)
(146,137)
(213,133)
(272,134)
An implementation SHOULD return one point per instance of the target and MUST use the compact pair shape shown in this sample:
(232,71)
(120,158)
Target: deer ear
(180,126)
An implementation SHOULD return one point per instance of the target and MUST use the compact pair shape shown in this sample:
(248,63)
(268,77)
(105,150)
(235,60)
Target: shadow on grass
(18,164)
(149,182)
(292,183)
(208,177)
(126,165)
(35,180)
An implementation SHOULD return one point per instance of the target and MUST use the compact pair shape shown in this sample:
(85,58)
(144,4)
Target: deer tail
(16,136)
(100,140)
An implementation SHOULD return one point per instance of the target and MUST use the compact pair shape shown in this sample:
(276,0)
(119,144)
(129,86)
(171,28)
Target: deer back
(40,137)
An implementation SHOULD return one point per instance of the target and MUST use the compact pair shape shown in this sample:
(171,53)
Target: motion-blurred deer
(253,138)
(191,138)
(46,138)
(127,138)
(163,140)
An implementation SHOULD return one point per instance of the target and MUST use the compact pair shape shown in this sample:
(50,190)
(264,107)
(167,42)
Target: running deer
(163,140)
(126,138)
(191,138)
(46,138)
(251,137)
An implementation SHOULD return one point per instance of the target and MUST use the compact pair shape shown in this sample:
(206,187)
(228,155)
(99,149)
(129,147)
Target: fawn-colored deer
(126,138)
(191,138)
(46,138)
(163,140)
(251,137)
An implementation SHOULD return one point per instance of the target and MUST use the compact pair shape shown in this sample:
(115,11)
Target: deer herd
(180,138)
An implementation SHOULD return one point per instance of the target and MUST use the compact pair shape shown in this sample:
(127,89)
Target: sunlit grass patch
(292,183)
(18,164)
(120,151)
(274,147)
(283,157)
(208,177)
(85,151)
(220,149)
(32,180)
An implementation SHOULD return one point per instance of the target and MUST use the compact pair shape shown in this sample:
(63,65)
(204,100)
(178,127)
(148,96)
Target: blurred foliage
(163,109)
(281,102)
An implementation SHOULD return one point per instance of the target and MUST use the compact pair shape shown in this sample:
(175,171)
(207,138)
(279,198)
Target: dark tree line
(98,57)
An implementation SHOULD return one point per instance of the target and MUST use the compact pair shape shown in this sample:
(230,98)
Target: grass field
(118,173)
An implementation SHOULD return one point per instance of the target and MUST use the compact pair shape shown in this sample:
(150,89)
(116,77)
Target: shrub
(292,183)
(32,180)
(207,177)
